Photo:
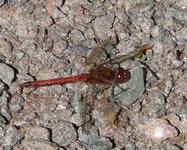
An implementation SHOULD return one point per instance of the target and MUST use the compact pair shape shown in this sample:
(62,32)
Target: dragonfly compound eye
(122,75)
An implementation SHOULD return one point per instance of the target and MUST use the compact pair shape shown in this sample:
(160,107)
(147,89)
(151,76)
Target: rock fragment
(6,73)
(157,130)
(64,134)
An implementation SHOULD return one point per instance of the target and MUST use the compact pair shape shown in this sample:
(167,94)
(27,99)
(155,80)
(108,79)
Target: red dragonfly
(101,74)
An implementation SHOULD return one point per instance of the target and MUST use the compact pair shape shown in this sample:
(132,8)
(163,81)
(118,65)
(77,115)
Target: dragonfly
(100,74)
(105,73)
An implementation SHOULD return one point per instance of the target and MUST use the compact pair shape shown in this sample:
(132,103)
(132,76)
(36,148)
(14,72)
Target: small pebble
(12,136)
(157,130)
(64,134)
(6,73)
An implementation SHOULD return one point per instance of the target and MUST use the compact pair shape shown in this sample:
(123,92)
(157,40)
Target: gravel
(64,134)
(12,137)
(6,74)
(49,39)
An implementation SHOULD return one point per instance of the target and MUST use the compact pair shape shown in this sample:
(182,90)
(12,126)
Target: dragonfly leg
(98,90)
(117,116)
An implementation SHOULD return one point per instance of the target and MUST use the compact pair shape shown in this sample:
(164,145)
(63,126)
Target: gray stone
(37,133)
(157,130)
(18,3)
(2,132)
(2,87)
(177,13)
(90,136)
(64,134)
(87,133)
(158,105)
(38,144)
(100,144)
(12,136)
(176,147)
(4,106)
(24,77)
(78,105)
(123,33)
(6,73)
(2,2)
(130,146)
(29,7)
(59,46)
(38,36)
(79,118)
(102,25)
(2,58)
(47,45)
(77,36)
(3,122)
(41,18)
(49,119)
(168,88)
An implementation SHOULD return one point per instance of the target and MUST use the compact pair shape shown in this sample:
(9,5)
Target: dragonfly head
(122,75)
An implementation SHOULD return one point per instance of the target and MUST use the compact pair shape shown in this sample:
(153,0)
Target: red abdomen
(61,80)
